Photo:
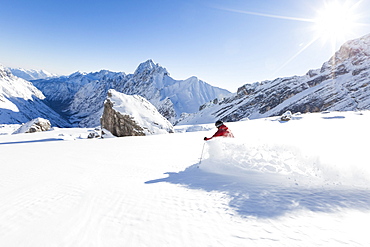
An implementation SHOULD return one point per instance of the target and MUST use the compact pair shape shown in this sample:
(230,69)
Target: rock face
(132,115)
(118,124)
(341,84)
(35,125)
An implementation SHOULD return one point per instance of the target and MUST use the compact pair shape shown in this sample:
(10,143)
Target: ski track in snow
(148,191)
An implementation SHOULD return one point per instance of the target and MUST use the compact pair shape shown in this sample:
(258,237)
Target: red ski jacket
(222,131)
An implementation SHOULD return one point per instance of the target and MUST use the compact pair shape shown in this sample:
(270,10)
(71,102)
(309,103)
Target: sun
(335,21)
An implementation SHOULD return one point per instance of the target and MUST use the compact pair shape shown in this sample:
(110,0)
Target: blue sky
(225,43)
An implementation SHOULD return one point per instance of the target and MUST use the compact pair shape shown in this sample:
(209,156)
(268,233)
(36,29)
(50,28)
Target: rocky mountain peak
(149,67)
(4,73)
(355,51)
(107,74)
(77,74)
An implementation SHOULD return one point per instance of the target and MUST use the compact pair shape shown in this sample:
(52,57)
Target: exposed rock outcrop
(118,124)
(286,116)
(35,125)
(132,115)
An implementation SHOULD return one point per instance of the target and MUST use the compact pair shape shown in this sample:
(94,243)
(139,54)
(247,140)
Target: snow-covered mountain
(80,96)
(341,84)
(20,101)
(31,74)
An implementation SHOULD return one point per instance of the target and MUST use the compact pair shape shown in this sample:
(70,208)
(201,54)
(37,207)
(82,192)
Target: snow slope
(21,102)
(305,182)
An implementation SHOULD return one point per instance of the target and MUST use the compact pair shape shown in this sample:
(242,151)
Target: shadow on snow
(251,196)
(33,141)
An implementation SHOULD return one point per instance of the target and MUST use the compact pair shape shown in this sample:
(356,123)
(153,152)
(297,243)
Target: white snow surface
(305,182)
(142,112)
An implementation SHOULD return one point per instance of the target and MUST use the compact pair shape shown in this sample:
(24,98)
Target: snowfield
(305,182)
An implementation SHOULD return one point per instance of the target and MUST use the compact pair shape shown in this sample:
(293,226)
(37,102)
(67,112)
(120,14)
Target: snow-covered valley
(305,182)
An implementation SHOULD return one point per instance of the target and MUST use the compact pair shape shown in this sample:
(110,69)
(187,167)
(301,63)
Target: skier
(222,131)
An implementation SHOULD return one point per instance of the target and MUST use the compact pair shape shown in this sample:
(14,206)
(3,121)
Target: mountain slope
(21,102)
(342,84)
(80,96)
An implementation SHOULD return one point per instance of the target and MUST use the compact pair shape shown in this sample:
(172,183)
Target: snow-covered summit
(149,67)
(77,74)
(31,74)
(354,49)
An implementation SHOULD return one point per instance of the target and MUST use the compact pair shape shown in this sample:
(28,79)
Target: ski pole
(201,156)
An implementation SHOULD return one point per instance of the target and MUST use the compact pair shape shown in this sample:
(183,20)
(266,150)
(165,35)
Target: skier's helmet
(219,123)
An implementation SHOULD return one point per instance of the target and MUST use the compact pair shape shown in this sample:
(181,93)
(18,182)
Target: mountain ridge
(31,74)
(341,84)
(80,96)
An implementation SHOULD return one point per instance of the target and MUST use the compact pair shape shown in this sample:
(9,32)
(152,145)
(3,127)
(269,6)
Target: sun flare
(335,21)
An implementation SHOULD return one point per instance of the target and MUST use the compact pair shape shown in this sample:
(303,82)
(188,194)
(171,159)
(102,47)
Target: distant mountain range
(341,84)
(79,97)
(31,74)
